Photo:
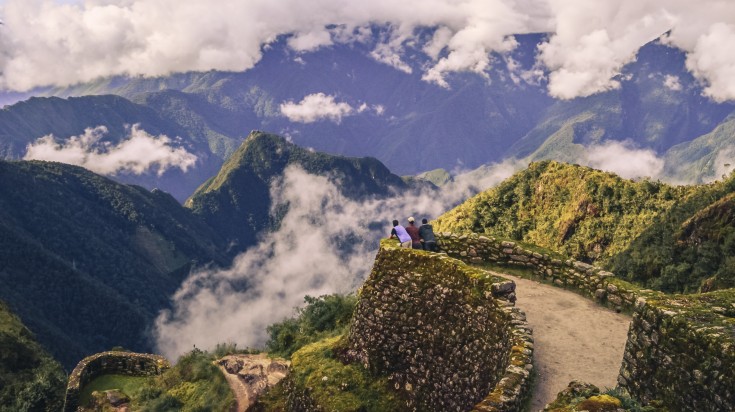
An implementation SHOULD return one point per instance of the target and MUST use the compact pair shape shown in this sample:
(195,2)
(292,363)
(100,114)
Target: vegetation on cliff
(672,238)
(30,380)
(237,201)
(87,262)
(322,317)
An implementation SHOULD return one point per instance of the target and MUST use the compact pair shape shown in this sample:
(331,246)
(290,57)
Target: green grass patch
(335,386)
(129,385)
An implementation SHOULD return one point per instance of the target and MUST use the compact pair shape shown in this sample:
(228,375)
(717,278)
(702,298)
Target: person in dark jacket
(414,232)
(426,234)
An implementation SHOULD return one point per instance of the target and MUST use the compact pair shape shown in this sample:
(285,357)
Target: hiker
(413,231)
(426,234)
(400,232)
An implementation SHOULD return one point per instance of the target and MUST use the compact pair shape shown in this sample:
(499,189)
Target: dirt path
(573,339)
(251,375)
(242,398)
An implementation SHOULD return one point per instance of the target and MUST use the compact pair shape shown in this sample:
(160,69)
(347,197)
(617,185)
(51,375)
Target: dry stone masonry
(588,280)
(680,349)
(110,363)
(446,334)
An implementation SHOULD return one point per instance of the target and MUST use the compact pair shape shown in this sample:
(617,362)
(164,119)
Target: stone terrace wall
(588,280)
(681,351)
(680,348)
(446,341)
(110,363)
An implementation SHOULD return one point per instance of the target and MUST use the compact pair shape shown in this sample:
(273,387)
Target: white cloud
(623,159)
(302,257)
(137,154)
(315,107)
(672,82)
(589,44)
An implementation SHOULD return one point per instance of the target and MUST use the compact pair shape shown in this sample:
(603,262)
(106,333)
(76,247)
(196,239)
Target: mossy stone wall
(681,351)
(680,348)
(590,281)
(437,328)
(110,363)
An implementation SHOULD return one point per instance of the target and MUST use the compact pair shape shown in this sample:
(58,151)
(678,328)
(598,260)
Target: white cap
(410,219)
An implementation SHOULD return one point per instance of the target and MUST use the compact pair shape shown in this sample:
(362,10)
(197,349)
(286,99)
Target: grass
(338,387)
(129,385)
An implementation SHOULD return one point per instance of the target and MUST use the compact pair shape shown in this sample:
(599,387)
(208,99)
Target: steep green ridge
(87,263)
(585,213)
(671,238)
(30,380)
(689,247)
(236,202)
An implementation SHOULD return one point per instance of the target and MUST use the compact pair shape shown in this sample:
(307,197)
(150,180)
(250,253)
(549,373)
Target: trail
(573,339)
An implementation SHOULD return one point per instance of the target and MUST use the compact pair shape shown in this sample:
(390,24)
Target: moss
(335,386)
(129,385)
(599,403)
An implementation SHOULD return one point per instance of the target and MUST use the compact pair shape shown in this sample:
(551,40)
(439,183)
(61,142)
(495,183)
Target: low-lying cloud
(306,256)
(588,45)
(137,154)
(315,107)
(623,159)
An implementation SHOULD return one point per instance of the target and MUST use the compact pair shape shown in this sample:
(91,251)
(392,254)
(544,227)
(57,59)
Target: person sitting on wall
(400,232)
(413,231)
(426,234)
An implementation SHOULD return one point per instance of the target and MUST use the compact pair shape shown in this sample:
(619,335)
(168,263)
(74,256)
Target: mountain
(407,123)
(30,379)
(23,123)
(672,238)
(88,263)
(237,201)
(659,105)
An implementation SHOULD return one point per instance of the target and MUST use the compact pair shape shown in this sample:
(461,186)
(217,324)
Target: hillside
(237,201)
(88,263)
(30,380)
(670,238)
(24,122)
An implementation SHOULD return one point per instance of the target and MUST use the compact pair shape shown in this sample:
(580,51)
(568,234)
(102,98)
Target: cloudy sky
(46,42)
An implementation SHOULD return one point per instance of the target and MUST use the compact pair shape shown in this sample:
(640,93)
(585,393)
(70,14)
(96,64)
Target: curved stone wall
(588,280)
(110,363)
(680,349)
(446,334)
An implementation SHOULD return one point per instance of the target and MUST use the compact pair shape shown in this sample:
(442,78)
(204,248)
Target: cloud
(623,159)
(589,42)
(137,154)
(315,107)
(305,256)
(672,82)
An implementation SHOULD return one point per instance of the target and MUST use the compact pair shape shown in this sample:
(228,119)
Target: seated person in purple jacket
(400,232)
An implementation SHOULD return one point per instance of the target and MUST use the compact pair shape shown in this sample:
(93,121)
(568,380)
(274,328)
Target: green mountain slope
(236,202)
(689,247)
(672,238)
(87,263)
(705,156)
(24,122)
(583,212)
(30,380)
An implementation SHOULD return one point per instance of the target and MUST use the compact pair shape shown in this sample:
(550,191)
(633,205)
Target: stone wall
(590,281)
(681,351)
(110,363)
(446,334)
